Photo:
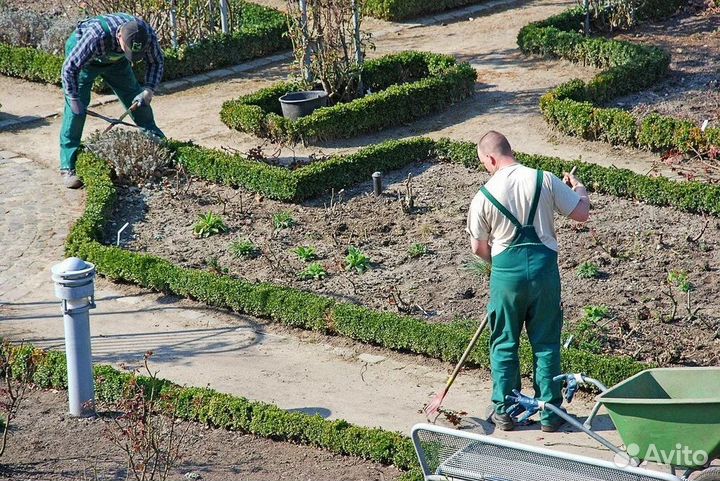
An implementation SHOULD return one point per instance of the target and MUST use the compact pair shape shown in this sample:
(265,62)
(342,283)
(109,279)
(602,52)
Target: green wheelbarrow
(667,416)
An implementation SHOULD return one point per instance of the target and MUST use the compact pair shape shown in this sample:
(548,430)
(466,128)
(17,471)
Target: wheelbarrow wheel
(709,474)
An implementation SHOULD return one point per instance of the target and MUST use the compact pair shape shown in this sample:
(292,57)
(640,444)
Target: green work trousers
(525,291)
(122,80)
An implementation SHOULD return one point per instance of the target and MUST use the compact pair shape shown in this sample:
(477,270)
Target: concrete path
(302,371)
(195,345)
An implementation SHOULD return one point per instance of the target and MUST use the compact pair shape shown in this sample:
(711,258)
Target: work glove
(76,105)
(571,384)
(143,98)
(521,404)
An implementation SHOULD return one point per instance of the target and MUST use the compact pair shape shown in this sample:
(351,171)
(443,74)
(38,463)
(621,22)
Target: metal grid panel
(475,460)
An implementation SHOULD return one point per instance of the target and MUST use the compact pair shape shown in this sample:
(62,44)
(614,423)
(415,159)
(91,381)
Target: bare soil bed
(38,449)
(635,247)
(692,89)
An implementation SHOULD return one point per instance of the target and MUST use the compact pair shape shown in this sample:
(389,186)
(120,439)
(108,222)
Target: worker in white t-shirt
(511,225)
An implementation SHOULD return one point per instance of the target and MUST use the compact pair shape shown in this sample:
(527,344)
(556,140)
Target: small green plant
(596,313)
(356,260)
(209,225)
(588,270)
(305,253)
(417,250)
(243,249)
(314,271)
(681,280)
(589,334)
(479,267)
(283,220)
(214,266)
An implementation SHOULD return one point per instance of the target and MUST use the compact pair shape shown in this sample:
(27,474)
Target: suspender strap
(500,207)
(103,23)
(536,198)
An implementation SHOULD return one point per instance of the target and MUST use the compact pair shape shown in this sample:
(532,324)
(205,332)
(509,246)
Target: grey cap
(136,40)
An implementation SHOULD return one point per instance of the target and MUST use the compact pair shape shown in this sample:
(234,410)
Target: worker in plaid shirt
(105,47)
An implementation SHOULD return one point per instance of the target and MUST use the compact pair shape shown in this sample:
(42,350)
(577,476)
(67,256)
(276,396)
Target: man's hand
(571,180)
(582,210)
(76,105)
(143,98)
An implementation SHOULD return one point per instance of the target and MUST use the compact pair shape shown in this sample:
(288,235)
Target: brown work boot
(502,421)
(552,427)
(70,179)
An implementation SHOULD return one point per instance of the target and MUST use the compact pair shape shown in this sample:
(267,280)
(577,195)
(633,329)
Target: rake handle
(465,355)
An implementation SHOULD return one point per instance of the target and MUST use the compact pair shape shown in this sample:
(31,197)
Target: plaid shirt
(93,44)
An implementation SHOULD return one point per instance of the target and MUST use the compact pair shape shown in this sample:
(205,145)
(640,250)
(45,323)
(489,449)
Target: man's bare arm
(481,248)
(581,213)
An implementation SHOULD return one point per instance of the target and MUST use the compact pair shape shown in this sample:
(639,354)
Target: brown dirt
(40,451)
(634,245)
(692,90)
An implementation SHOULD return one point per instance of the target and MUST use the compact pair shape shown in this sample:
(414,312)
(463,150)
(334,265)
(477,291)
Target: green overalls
(525,290)
(117,71)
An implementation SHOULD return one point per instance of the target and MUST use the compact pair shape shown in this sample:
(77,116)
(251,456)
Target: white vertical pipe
(307,74)
(75,287)
(224,16)
(173,23)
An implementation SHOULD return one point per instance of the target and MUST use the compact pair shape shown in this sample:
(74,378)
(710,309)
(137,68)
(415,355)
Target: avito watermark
(680,456)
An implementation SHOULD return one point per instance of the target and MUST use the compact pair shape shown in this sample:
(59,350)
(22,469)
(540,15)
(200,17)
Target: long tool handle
(465,355)
(132,107)
(100,116)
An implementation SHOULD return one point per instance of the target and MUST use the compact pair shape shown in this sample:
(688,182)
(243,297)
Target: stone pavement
(36,212)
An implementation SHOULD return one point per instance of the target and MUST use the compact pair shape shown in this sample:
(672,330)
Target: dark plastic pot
(299,104)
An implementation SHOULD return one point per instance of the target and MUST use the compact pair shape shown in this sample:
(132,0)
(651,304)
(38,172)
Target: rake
(433,407)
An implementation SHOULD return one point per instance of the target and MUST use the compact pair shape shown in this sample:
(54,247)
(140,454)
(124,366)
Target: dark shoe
(551,428)
(70,179)
(502,421)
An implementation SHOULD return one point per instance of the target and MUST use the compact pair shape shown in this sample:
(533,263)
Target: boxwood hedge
(574,107)
(263,32)
(311,311)
(403,9)
(343,171)
(405,87)
(212,408)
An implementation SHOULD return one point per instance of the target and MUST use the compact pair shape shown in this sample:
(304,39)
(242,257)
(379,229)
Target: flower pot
(299,104)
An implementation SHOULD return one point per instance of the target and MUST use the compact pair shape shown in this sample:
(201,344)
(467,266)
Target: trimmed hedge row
(406,86)
(236,413)
(628,68)
(344,171)
(693,197)
(303,309)
(403,9)
(306,182)
(263,33)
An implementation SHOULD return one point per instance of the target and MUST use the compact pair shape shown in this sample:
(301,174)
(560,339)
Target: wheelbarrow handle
(573,381)
(532,405)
